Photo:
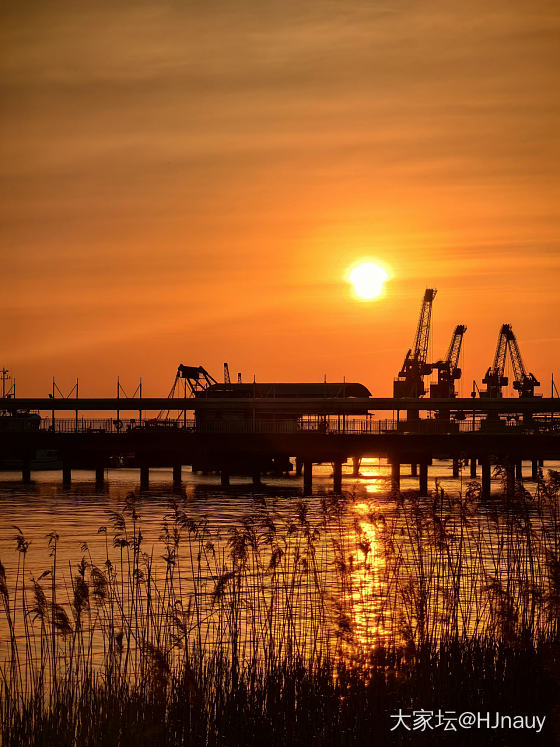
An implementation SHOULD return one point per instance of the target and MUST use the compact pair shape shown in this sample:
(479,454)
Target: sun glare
(368,279)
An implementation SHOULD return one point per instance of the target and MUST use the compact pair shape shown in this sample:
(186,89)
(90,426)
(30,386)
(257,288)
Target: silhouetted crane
(448,369)
(410,382)
(524,382)
(197,378)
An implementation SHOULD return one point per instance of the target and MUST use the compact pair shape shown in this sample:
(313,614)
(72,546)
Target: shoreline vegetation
(311,629)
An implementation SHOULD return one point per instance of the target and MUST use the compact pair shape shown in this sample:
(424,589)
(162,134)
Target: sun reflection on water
(367,607)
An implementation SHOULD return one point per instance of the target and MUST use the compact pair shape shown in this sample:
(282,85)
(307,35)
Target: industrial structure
(410,381)
(524,383)
(448,369)
(250,428)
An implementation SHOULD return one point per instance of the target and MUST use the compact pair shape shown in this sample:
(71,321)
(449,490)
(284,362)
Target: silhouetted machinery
(448,369)
(410,382)
(524,382)
(495,380)
(197,378)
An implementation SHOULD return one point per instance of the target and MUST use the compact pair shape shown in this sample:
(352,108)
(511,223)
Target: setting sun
(368,279)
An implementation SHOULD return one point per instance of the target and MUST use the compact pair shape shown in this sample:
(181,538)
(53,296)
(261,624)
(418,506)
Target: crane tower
(410,381)
(448,369)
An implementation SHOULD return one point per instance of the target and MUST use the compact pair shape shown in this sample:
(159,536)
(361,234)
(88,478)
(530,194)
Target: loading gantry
(197,378)
(448,369)
(410,381)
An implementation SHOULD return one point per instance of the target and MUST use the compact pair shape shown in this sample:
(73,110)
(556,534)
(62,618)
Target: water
(77,513)
(357,574)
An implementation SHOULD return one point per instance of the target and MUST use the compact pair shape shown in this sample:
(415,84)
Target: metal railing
(334,425)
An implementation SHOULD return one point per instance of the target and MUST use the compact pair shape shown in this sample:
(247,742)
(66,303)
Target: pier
(280,433)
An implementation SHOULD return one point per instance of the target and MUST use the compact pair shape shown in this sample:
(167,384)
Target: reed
(309,627)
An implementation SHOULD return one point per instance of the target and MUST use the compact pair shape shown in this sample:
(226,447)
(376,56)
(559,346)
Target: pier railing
(333,425)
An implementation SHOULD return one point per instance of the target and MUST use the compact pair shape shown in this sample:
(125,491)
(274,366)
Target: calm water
(77,514)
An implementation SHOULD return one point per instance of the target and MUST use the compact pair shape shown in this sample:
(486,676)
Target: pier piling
(144,477)
(395,475)
(455,467)
(26,472)
(99,475)
(307,477)
(337,477)
(423,482)
(177,475)
(66,475)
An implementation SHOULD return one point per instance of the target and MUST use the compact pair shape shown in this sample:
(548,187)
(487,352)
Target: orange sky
(188,182)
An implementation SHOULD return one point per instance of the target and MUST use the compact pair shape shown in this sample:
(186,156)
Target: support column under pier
(534,469)
(519,471)
(486,478)
(307,477)
(356,463)
(337,477)
(144,477)
(99,474)
(66,475)
(395,476)
(414,470)
(26,472)
(455,467)
(224,479)
(473,467)
(423,482)
(299,466)
(177,475)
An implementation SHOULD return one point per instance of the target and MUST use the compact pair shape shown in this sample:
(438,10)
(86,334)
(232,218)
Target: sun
(368,279)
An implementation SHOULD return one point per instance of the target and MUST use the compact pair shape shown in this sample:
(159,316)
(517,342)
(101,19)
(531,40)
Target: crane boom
(494,378)
(454,350)
(423,331)
(410,381)
(524,382)
(448,369)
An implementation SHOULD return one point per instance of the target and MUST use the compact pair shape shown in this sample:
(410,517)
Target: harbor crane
(448,369)
(524,383)
(197,378)
(410,381)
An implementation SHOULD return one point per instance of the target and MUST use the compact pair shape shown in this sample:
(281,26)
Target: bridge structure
(309,430)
